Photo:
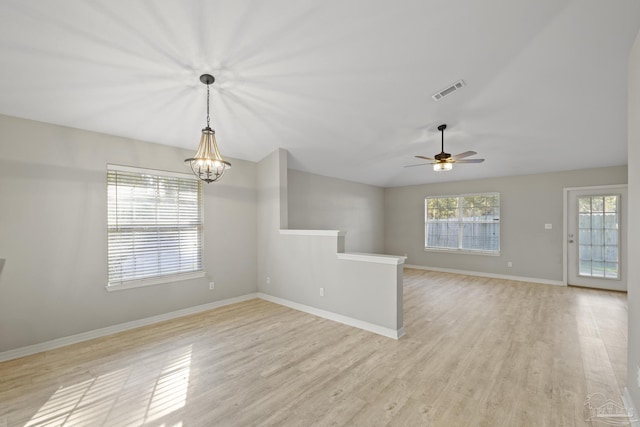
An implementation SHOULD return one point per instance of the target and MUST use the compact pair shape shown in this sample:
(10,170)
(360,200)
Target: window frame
(460,222)
(160,278)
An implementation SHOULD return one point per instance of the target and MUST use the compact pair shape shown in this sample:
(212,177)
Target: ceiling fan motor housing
(442,156)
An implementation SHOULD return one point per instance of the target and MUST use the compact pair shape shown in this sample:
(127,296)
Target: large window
(154,226)
(469,223)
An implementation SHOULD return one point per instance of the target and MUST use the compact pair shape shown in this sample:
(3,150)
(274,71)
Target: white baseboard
(627,401)
(97,333)
(376,329)
(491,275)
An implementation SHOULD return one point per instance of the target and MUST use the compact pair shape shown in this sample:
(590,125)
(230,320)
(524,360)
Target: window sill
(462,252)
(155,281)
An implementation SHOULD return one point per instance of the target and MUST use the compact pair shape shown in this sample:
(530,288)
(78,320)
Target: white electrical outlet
(268,280)
(321,292)
(212,286)
(548,226)
(509,264)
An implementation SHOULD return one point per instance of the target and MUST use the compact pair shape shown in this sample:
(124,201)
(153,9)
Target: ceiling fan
(444,161)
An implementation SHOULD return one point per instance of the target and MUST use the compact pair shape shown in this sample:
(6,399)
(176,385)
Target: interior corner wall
(633,229)
(53,233)
(292,267)
(322,203)
(527,203)
(272,214)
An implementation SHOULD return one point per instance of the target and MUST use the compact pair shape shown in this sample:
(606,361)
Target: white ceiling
(344,85)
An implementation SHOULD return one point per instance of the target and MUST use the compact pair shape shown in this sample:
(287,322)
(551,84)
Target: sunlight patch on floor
(138,394)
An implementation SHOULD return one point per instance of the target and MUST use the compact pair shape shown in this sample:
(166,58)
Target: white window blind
(469,223)
(154,224)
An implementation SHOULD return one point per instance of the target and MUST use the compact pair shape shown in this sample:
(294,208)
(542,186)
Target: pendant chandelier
(208,164)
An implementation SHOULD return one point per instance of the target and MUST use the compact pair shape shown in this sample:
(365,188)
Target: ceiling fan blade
(423,157)
(420,164)
(470,161)
(463,155)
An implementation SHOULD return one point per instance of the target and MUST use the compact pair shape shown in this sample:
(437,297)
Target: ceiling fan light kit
(207,164)
(444,166)
(444,161)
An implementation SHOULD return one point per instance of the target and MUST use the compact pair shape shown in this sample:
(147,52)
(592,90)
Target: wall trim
(375,258)
(121,327)
(627,401)
(97,333)
(491,275)
(350,321)
(334,233)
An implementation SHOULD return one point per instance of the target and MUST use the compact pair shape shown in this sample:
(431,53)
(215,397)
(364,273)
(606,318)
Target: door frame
(565,221)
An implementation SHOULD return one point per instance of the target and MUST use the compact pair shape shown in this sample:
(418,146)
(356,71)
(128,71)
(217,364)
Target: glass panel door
(599,236)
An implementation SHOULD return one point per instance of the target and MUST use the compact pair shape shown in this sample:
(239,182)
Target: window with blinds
(154,224)
(465,223)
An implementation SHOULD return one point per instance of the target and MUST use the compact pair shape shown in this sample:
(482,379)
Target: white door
(596,237)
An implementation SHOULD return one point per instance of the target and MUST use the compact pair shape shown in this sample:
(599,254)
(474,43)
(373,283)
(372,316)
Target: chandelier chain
(208,120)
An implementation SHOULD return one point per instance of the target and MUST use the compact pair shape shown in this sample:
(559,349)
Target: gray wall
(633,272)
(366,291)
(528,202)
(53,233)
(297,266)
(322,203)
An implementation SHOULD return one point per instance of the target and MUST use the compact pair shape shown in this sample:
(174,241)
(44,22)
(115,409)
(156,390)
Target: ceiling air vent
(448,91)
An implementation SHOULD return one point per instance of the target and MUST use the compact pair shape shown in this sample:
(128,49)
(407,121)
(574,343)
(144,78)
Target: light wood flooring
(477,352)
